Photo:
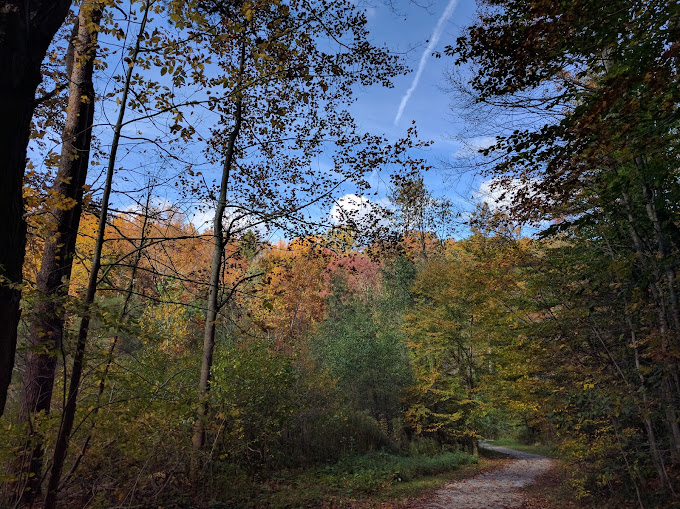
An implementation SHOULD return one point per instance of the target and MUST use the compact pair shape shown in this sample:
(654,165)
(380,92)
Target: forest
(205,302)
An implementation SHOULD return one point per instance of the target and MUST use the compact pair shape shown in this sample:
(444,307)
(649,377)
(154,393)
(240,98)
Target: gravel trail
(497,489)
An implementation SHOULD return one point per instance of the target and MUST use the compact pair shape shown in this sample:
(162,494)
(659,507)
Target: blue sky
(407,29)
(410,32)
(415,32)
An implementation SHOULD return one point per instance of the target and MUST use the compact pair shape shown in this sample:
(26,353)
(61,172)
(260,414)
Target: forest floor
(499,488)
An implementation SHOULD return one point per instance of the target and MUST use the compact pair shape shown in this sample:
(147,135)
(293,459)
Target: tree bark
(662,245)
(214,287)
(215,269)
(669,272)
(47,318)
(657,457)
(26,30)
(666,382)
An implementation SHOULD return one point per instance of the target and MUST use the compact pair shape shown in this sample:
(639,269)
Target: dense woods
(193,317)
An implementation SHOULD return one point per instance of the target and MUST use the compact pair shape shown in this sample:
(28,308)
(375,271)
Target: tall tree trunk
(214,286)
(645,412)
(656,291)
(662,245)
(26,30)
(68,417)
(215,269)
(641,256)
(657,457)
(669,272)
(47,318)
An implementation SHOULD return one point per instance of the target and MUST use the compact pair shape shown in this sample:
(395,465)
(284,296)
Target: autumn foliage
(197,328)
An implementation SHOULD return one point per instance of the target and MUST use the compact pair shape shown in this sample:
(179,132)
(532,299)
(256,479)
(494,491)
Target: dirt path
(497,489)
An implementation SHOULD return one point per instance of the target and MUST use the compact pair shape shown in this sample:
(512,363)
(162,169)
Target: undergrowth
(343,483)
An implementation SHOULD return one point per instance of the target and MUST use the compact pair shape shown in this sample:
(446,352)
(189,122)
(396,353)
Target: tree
(588,72)
(420,217)
(47,320)
(26,30)
(445,359)
(286,105)
(360,342)
(68,417)
(292,286)
(599,159)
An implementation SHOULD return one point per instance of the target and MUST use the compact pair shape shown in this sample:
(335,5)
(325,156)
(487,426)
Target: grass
(368,481)
(512,443)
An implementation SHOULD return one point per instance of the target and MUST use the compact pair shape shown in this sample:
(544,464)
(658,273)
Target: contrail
(434,39)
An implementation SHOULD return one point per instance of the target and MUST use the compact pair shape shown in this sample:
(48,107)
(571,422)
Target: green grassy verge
(512,443)
(397,494)
(361,481)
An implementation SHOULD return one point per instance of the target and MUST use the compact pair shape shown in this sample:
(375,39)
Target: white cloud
(472,146)
(160,208)
(357,210)
(503,198)
(202,216)
(434,39)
